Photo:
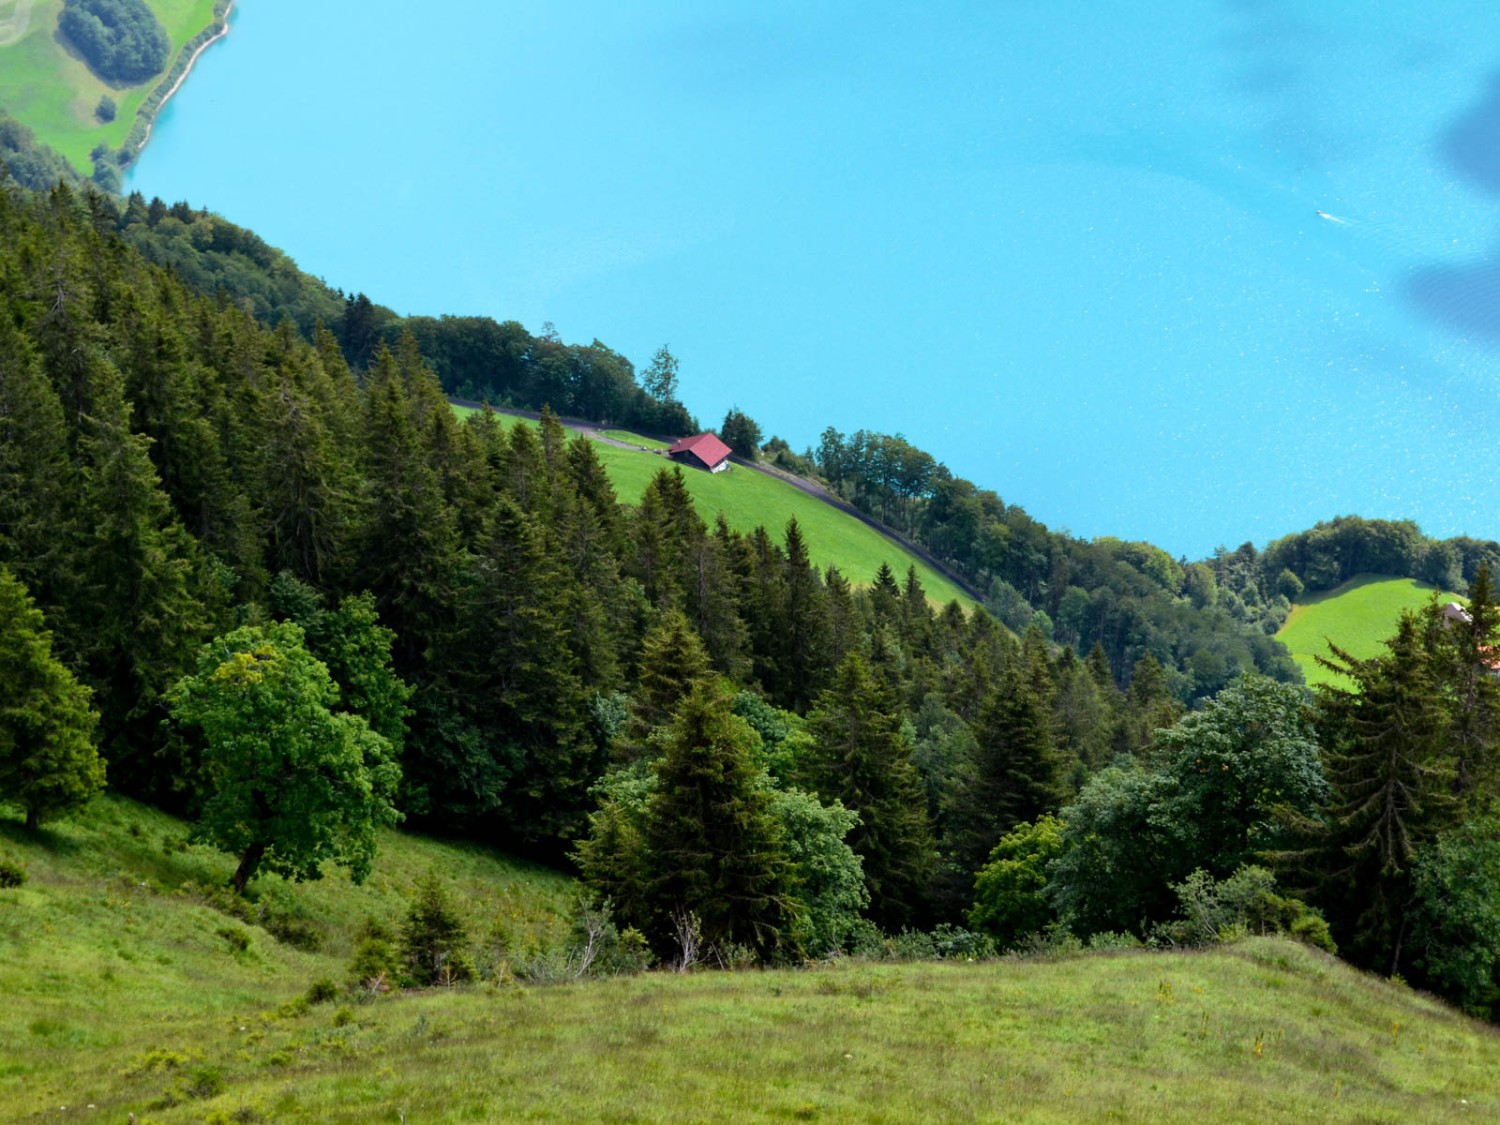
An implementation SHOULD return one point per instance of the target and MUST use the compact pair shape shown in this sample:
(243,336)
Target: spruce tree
(141,586)
(672,663)
(37,485)
(1015,775)
(1386,750)
(862,758)
(714,848)
(48,763)
(1466,657)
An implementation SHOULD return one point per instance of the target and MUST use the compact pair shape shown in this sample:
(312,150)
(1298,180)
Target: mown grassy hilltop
(749,499)
(126,992)
(1358,616)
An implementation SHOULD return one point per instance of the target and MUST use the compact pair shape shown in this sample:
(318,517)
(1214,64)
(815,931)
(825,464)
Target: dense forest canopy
(122,40)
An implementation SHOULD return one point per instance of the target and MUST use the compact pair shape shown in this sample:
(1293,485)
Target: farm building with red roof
(705,451)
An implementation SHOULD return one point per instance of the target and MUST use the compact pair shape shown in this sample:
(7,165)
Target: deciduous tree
(291,781)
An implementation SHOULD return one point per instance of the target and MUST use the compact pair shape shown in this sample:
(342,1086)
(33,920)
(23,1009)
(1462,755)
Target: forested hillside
(304,600)
(174,469)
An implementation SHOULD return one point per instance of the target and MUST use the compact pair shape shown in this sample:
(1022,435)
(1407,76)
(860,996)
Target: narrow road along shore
(192,62)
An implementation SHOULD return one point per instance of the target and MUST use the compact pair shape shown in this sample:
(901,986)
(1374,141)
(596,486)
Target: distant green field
(1357,616)
(125,994)
(48,88)
(750,499)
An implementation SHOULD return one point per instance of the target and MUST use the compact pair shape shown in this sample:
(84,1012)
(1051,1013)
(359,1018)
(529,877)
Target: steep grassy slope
(122,993)
(1357,616)
(45,85)
(749,500)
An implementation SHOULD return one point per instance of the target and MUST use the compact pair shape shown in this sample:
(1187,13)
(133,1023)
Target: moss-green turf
(1358,616)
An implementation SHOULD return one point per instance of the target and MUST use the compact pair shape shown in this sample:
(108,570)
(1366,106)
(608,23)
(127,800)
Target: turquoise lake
(1073,250)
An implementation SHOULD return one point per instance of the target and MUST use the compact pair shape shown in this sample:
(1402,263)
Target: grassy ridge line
(749,499)
(46,87)
(122,994)
(1358,616)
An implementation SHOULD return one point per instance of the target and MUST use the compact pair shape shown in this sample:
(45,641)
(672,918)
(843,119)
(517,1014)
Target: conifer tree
(531,699)
(673,662)
(715,849)
(36,478)
(1016,774)
(141,585)
(1466,656)
(409,557)
(1391,769)
(712,603)
(1149,706)
(862,758)
(803,667)
(306,507)
(48,763)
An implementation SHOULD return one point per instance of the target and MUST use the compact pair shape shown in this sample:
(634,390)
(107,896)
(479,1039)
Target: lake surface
(1071,249)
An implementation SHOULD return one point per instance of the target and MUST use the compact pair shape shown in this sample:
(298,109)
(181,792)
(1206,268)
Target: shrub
(434,939)
(376,963)
(11,874)
(1244,903)
(322,992)
(204,1082)
(237,939)
(279,915)
(105,111)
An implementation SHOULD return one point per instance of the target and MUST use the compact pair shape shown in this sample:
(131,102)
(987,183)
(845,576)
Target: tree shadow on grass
(13,828)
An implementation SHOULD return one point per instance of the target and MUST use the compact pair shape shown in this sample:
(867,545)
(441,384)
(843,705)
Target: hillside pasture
(45,85)
(1358,616)
(749,499)
(127,992)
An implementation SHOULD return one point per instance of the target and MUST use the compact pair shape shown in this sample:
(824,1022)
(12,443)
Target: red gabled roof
(706,447)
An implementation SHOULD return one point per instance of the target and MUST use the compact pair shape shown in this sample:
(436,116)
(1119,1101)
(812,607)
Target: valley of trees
(259,571)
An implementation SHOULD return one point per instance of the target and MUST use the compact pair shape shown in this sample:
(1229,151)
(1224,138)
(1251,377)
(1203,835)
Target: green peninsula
(46,84)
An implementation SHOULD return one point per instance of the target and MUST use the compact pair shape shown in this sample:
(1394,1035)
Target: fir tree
(673,662)
(715,849)
(1016,774)
(862,758)
(48,763)
(1390,767)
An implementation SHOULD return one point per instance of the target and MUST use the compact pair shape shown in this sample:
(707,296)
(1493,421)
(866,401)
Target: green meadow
(127,992)
(46,86)
(749,499)
(1358,616)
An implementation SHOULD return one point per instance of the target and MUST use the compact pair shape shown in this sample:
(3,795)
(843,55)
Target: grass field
(636,439)
(749,500)
(1357,616)
(121,994)
(47,87)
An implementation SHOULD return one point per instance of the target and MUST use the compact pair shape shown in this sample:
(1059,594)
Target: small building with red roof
(705,451)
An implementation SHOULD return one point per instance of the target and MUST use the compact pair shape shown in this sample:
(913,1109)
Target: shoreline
(150,120)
